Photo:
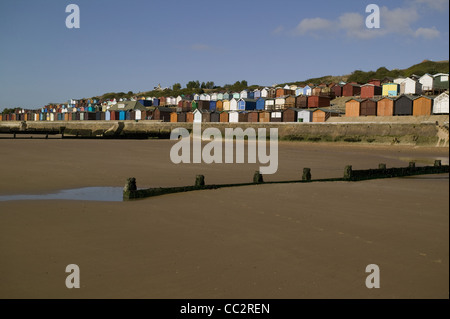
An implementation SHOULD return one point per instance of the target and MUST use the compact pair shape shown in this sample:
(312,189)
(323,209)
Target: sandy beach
(266,241)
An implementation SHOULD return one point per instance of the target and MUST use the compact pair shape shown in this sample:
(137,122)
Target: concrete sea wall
(433,132)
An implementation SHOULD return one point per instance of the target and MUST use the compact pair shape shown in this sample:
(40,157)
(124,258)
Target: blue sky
(134,45)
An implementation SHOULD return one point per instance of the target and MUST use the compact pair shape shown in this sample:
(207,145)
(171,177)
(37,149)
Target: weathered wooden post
(306,174)
(437,163)
(382,166)
(258,178)
(129,188)
(348,172)
(412,165)
(199,181)
(130,185)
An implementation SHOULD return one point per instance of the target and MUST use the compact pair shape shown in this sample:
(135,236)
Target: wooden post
(258,178)
(199,181)
(306,174)
(412,165)
(348,172)
(437,163)
(130,185)
(382,166)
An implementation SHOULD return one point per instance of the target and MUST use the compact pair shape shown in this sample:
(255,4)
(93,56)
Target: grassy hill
(359,76)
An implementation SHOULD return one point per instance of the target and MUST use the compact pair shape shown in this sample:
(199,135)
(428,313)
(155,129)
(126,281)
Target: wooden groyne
(131,192)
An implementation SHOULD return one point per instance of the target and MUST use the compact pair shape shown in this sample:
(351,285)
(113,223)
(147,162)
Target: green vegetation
(197,87)
(417,69)
(9,111)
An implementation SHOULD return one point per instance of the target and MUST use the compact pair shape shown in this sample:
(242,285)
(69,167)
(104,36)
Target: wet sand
(267,241)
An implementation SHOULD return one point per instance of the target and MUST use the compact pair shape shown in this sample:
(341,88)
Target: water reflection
(102,194)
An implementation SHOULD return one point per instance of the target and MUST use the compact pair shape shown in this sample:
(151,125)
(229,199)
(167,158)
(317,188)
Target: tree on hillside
(176,87)
(193,85)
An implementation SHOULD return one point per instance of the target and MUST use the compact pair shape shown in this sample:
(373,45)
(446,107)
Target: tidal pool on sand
(102,194)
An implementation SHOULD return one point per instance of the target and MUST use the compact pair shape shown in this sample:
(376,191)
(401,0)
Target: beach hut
(194,105)
(305,116)
(244,94)
(422,105)
(403,105)
(440,82)
(243,117)
(385,107)
(219,96)
(265,92)
(181,117)
(368,107)
(280,102)
(390,89)
(301,101)
(316,90)
(107,116)
(212,105)
(214,96)
(291,115)
(337,90)
(227,96)
(202,116)
(410,86)
(189,117)
(299,91)
(441,103)
(399,80)
(204,104)
(173,117)
(256,94)
(427,82)
(138,115)
(269,104)
(318,101)
(233,116)
(322,115)
(307,90)
(353,108)
(253,117)
(162,114)
(351,89)
(368,91)
(226,105)
(246,105)
(215,117)
(224,117)
(260,104)
(276,116)
(196,97)
(219,106)
(233,104)
(375,82)
(290,101)
(236,96)
(186,106)
(264,117)
(272,93)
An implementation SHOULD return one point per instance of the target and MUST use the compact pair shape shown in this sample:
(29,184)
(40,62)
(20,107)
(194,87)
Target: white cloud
(353,25)
(435,4)
(312,25)
(427,33)
(278,30)
(200,47)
